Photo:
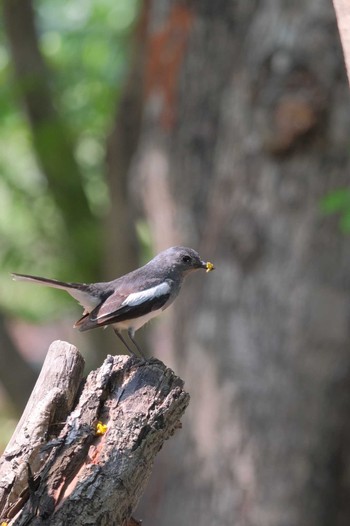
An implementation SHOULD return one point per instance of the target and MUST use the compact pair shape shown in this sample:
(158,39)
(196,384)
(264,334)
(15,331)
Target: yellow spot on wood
(100,428)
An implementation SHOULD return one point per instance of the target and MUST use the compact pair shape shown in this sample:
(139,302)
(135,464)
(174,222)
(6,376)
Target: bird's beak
(208,266)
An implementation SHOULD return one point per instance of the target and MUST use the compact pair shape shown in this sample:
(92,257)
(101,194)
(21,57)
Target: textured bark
(246,127)
(85,477)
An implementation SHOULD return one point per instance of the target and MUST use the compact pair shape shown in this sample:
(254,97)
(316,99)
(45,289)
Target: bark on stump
(62,467)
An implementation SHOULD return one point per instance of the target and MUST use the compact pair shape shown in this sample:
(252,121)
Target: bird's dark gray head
(182,260)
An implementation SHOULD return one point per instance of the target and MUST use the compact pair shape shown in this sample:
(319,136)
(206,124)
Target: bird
(130,301)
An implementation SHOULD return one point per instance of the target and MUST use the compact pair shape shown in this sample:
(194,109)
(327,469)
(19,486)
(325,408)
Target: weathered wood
(92,478)
(342,10)
(49,404)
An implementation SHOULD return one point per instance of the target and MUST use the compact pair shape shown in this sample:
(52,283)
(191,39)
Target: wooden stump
(88,465)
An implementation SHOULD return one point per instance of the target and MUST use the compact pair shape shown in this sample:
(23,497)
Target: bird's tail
(45,281)
(79,291)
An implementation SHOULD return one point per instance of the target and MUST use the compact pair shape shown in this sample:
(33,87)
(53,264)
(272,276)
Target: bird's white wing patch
(137,298)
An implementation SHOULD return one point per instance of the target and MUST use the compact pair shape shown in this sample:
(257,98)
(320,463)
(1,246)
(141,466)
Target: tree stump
(83,450)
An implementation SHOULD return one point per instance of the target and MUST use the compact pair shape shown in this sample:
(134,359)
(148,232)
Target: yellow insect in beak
(209,266)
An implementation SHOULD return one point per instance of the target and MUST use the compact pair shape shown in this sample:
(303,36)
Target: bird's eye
(186,259)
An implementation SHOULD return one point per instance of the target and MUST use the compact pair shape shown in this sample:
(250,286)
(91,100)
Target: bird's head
(185,260)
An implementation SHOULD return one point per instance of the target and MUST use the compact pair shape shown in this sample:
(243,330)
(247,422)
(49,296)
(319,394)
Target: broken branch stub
(97,468)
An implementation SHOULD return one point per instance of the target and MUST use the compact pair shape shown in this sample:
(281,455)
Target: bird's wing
(124,306)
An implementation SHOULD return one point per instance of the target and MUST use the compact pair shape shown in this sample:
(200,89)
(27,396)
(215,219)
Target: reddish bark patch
(165,54)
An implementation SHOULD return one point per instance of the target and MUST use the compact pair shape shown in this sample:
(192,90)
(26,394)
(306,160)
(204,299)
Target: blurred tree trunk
(121,251)
(120,244)
(246,126)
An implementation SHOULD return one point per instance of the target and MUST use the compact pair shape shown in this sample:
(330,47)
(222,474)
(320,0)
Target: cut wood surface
(89,465)
(342,10)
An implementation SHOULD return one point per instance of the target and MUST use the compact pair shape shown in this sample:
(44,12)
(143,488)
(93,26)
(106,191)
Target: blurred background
(128,127)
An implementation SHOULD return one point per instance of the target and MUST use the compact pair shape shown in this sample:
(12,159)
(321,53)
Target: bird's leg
(132,353)
(131,336)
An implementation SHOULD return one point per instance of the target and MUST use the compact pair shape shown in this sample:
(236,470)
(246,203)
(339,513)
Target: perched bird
(128,302)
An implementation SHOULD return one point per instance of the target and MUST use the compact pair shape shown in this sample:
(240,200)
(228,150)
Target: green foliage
(85,44)
(338,202)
